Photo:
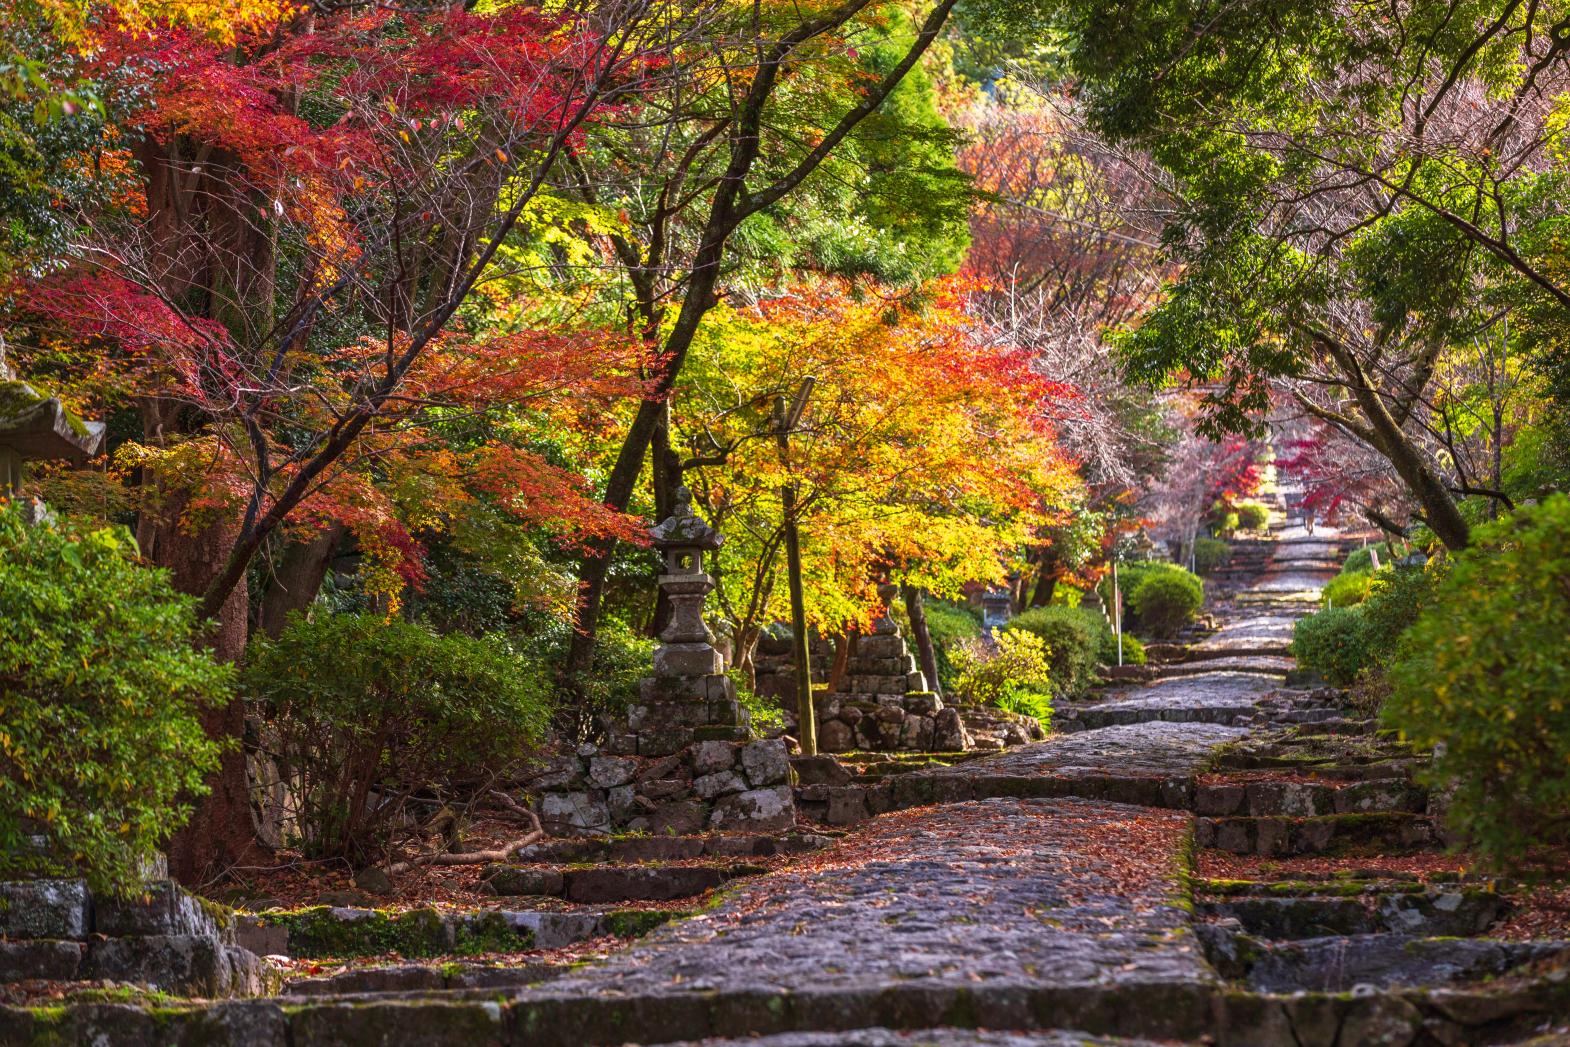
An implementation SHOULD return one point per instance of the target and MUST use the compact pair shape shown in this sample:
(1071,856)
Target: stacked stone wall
(715,785)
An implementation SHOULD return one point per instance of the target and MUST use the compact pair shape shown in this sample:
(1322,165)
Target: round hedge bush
(1164,601)
(1251,516)
(1210,553)
(1333,643)
(1483,678)
(101,679)
(1345,590)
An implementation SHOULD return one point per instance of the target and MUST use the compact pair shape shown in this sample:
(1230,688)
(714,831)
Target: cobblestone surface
(1157,749)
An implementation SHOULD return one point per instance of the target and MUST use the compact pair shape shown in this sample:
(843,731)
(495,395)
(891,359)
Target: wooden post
(785,422)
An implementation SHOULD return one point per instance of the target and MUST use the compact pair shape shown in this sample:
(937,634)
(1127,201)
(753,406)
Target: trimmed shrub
(1133,650)
(1164,601)
(1333,643)
(101,747)
(1251,516)
(1359,560)
(363,714)
(1015,674)
(1395,600)
(1347,589)
(1210,553)
(1483,677)
(1073,643)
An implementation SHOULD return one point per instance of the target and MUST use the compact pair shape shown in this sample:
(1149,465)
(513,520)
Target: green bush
(1483,677)
(949,624)
(1251,516)
(1347,589)
(1359,560)
(1395,600)
(1333,643)
(101,747)
(1013,674)
(1164,601)
(622,657)
(1073,643)
(1133,650)
(1210,553)
(362,714)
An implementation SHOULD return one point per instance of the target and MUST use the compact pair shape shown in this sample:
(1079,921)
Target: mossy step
(627,849)
(423,978)
(1429,912)
(924,1010)
(1300,798)
(1343,834)
(323,931)
(598,884)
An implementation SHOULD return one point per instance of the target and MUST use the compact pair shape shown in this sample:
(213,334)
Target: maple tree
(283,279)
(933,474)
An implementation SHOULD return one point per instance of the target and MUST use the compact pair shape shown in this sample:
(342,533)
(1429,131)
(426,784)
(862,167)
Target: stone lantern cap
(34,426)
(684,529)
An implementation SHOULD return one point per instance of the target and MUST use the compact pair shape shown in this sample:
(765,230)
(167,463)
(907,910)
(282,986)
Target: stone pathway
(1044,890)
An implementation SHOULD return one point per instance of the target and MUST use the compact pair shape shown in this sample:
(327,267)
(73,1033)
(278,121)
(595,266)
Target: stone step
(1335,964)
(609,884)
(330,932)
(1457,912)
(424,978)
(578,850)
(1300,798)
(1343,834)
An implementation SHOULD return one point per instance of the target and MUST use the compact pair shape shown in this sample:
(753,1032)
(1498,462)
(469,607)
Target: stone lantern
(688,698)
(34,427)
(996,607)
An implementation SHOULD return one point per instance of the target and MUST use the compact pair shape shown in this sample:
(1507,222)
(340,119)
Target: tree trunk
(221,832)
(298,578)
(915,607)
(666,476)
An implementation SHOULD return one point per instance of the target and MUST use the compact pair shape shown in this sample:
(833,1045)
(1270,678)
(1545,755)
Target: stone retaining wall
(711,785)
(163,938)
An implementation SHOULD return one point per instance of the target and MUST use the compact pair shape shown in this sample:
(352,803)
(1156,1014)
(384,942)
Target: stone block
(666,788)
(39,958)
(766,762)
(622,801)
(888,646)
(559,772)
(720,783)
(682,818)
(522,880)
(44,909)
(674,689)
(664,767)
(608,771)
(663,741)
(757,810)
(721,689)
(1217,800)
(641,883)
(727,713)
(162,908)
(408,1023)
(186,965)
(948,731)
(820,770)
(915,681)
(720,732)
(687,659)
(561,813)
(847,806)
(922,703)
(835,736)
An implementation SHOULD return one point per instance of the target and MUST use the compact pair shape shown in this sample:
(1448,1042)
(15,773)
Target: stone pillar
(688,698)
